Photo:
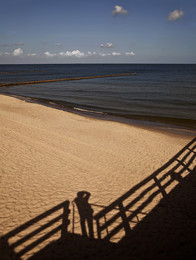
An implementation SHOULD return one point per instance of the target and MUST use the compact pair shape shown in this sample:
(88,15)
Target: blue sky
(92,31)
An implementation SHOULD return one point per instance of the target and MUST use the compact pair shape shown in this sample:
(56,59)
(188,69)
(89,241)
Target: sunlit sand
(54,162)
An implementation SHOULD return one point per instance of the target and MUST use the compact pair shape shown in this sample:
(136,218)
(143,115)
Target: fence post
(65,219)
(124,218)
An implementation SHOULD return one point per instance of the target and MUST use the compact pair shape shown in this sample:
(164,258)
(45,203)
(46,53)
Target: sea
(158,94)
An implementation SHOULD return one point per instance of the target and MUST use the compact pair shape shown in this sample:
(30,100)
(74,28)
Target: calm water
(161,93)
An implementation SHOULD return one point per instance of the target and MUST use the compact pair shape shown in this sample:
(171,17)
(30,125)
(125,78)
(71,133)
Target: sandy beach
(59,167)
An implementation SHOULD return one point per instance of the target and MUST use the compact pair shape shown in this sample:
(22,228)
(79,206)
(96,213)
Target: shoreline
(162,125)
(49,157)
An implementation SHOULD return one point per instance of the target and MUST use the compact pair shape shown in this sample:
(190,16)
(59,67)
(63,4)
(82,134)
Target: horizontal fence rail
(111,222)
(33,233)
(123,214)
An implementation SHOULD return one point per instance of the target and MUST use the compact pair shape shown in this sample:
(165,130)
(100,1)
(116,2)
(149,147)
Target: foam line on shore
(164,126)
(49,158)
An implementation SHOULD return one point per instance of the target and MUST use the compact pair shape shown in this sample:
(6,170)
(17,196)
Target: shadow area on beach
(155,219)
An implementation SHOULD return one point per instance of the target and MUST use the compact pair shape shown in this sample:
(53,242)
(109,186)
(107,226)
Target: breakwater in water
(65,79)
(157,93)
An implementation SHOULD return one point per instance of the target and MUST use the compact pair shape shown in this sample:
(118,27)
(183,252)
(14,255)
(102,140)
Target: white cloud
(17,52)
(91,53)
(116,53)
(107,45)
(109,54)
(63,54)
(130,53)
(119,10)
(32,54)
(48,54)
(175,15)
(75,53)
(104,54)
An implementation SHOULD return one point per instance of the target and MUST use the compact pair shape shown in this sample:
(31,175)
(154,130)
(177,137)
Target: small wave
(88,110)
(179,126)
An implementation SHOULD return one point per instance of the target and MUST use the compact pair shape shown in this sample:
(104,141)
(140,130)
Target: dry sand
(47,156)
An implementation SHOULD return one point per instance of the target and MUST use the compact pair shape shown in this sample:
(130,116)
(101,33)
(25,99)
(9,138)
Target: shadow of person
(85,211)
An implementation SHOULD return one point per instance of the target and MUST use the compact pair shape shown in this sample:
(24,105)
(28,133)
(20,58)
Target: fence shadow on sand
(154,219)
